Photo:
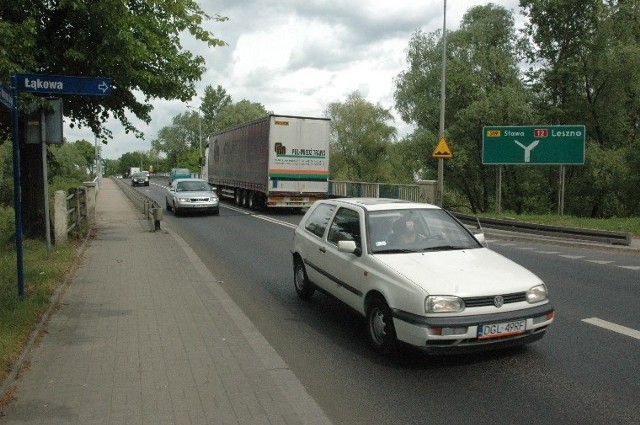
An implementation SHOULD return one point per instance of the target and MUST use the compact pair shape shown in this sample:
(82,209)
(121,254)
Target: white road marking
(630,267)
(613,327)
(547,252)
(599,261)
(573,257)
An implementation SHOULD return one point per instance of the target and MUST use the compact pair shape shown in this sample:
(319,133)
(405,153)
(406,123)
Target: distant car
(192,195)
(179,173)
(418,276)
(139,179)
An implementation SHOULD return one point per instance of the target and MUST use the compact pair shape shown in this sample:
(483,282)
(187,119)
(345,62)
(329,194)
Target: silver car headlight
(183,199)
(443,304)
(537,294)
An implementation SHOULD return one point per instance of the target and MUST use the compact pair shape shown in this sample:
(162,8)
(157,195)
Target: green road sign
(533,145)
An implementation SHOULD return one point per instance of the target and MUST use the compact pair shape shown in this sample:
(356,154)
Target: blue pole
(17,193)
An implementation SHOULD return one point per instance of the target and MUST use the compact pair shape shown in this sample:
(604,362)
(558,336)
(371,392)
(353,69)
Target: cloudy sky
(297,56)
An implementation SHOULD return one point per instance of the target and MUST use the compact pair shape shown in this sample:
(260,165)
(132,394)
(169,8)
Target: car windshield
(417,230)
(192,186)
(139,175)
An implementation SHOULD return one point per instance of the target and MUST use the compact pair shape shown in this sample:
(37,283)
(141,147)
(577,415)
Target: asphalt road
(585,370)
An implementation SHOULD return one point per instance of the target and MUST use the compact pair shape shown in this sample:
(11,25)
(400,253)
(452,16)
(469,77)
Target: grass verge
(43,273)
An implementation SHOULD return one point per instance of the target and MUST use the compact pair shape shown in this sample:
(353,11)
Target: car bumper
(460,334)
(195,207)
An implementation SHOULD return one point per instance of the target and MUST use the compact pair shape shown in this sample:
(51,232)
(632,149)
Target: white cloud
(297,56)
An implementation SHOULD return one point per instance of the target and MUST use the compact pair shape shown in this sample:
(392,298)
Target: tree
(213,101)
(584,57)
(135,43)
(237,113)
(483,87)
(360,140)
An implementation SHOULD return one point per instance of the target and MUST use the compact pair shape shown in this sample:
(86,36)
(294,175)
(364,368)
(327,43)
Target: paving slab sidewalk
(144,334)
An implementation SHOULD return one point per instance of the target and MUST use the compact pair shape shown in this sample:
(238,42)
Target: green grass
(43,273)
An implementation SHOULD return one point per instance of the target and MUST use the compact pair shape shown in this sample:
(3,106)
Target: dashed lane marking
(630,267)
(613,327)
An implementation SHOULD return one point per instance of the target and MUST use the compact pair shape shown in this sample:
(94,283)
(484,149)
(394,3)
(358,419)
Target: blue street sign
(5,97)
(62,84)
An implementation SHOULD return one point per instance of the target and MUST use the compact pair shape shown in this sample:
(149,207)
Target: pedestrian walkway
(144,334)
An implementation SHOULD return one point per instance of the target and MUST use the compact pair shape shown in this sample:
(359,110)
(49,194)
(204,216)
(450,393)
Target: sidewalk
(145,335)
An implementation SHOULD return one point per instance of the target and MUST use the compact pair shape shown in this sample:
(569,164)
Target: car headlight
(537,293)
(443,304)
(183,199)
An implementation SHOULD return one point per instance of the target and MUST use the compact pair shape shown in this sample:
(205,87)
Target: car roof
(190,179)
(380,204)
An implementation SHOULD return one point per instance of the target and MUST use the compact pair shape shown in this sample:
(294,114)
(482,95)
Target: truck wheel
(252,200)
(238,197)
(245,198)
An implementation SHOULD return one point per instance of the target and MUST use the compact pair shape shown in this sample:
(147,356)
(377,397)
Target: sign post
(534,145)
(46,85)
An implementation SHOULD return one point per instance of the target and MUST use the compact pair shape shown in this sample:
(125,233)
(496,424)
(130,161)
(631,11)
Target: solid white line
(613,327)
(599,261)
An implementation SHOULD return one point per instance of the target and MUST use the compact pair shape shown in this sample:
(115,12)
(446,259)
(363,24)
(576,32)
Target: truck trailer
(277,161)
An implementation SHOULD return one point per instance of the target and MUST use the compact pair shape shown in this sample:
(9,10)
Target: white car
(418,275)
(192,195)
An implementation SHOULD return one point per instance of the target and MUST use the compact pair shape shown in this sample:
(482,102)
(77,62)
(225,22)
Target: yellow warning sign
(442,150)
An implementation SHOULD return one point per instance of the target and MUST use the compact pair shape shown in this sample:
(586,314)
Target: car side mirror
(349,247)
(482,239)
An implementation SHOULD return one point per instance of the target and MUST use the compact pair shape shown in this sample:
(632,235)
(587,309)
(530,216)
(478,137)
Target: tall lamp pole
(440,194)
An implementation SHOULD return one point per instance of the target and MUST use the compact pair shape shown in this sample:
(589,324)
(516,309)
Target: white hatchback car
(418,275)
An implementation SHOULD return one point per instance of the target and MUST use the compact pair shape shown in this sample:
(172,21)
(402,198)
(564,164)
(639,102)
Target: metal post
(442,105)
(17,192)
(43,139)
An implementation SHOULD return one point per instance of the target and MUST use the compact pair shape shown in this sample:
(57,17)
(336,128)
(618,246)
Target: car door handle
(323,249)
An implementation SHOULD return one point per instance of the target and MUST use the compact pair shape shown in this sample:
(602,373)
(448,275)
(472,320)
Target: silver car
(192,195)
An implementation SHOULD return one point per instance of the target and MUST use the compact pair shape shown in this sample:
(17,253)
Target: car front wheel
(382,333)
(304,288)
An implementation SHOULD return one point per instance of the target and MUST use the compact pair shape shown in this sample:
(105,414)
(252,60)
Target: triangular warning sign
(442,150)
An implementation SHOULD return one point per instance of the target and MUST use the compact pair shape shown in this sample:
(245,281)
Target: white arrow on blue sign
(62,84)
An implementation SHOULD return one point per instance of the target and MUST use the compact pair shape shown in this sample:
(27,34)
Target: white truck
(133,170)
(278,161)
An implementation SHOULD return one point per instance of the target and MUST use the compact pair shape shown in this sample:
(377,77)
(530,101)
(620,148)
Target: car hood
(465,273)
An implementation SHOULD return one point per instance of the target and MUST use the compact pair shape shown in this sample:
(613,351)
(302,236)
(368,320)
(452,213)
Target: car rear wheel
(382,333)
(304,288)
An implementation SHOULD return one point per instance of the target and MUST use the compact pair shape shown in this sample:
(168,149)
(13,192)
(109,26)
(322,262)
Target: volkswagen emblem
(498,301)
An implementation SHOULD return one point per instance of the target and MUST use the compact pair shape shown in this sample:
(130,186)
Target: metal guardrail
(150,208)
(593,235)
(76,208)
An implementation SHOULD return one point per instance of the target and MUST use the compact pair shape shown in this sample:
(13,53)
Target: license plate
(498,330)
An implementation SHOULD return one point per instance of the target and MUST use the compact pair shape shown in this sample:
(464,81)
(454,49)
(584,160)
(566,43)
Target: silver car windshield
(417,230)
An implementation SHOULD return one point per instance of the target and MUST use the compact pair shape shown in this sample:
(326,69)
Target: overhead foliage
(135,43)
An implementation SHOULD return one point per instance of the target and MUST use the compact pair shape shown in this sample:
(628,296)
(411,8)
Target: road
(585,370)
